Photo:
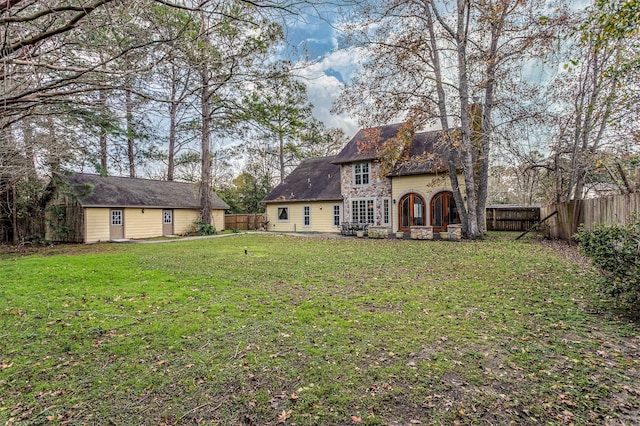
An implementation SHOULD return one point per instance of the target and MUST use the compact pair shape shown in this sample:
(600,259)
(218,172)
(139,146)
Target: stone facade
(379,187)
(455,232)
(422,232)
(379,231)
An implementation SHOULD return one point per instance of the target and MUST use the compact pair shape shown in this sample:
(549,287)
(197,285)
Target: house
(309,199)
(89,208)
(353,186)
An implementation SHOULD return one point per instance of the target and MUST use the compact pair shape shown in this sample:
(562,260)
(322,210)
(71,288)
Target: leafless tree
(438,62)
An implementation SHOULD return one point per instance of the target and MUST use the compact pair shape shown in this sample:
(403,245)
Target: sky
(314,37)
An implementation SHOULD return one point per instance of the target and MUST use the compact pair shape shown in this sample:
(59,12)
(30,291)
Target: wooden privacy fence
(615,209)
(244,221)
(511,218)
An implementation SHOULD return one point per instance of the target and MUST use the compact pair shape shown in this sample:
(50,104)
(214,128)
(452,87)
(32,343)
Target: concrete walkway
(202,237)
(177,239)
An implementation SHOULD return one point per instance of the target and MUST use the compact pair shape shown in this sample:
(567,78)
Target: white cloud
(324,86)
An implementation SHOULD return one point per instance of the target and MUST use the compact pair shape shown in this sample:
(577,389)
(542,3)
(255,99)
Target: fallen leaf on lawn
(293,397)
(282,417)
(356,419)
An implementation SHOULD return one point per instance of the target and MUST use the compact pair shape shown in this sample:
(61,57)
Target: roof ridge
(129,178)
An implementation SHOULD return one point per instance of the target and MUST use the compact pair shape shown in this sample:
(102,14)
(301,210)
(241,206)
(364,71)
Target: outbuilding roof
(314,179)
(112,191)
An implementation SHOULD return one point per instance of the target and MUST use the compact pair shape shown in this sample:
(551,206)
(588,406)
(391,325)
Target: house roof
(425,154)
(365,144)
(111,191)
(314,179)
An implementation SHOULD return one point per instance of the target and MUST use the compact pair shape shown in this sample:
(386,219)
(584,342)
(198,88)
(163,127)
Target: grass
(311,331)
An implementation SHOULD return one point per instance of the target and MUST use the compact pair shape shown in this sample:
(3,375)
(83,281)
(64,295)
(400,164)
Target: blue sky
(315,35)
(313,40)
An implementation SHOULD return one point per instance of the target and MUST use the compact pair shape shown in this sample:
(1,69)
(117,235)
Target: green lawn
(311,331)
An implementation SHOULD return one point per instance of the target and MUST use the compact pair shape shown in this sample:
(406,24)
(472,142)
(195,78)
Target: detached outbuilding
(88,208)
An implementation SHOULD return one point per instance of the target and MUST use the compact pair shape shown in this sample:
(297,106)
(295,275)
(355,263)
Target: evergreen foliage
(615,250)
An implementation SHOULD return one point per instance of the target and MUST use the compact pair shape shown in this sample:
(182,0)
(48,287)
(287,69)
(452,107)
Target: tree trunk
(104,154)
(173,113)
(485,127)
(452,164)
(173,123)
(281,156)
(130,134)
(205,172)
(467,148)
(14,214)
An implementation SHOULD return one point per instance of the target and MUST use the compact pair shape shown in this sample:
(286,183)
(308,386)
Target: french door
(411,212)
(443,211)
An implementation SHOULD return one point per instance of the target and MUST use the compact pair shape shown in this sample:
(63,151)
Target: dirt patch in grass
(568,251)
(9,251)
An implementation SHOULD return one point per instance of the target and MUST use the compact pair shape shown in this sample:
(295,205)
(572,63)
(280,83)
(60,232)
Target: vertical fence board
(511,218)
(611,210)
(244,221)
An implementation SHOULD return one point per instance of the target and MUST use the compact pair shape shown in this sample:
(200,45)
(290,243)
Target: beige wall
(321,217)
(96,222)
(143,225)
(425,185)
(183,220)
(217,219)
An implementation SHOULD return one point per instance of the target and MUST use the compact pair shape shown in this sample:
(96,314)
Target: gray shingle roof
(315,179)
(426,154)
(99,191)
(364,145)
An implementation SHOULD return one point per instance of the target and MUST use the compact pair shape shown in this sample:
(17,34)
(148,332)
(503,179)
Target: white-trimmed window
(337,216)
(363,210)
(116,217)
(386,211)
(306,215)
(361,174)
(283,214)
